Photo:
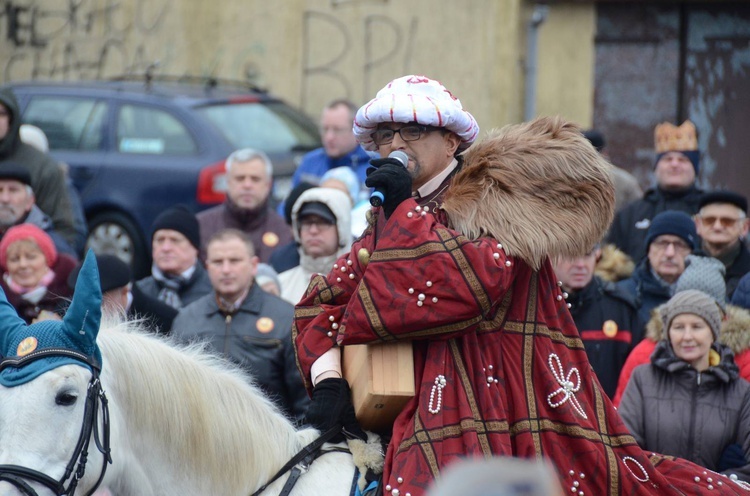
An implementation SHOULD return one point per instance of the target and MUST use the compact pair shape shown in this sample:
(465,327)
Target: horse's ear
(85,311)
(10,322)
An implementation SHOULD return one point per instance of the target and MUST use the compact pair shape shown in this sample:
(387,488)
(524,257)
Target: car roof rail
(208,82)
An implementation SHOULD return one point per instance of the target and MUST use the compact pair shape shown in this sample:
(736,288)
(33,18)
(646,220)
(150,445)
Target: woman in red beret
(34,275)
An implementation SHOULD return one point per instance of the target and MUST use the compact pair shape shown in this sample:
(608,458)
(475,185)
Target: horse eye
(65,398)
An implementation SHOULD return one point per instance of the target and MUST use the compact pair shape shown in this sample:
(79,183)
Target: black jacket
(628,230)
(601,302)
(737,270)
(646,290)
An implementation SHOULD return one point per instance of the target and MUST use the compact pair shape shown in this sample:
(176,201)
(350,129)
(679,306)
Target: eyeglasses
(726,222)
(411,132)
(679,246)
(322,225)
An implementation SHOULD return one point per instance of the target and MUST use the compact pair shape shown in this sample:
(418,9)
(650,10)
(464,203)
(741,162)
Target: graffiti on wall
(78,39)
(387,41)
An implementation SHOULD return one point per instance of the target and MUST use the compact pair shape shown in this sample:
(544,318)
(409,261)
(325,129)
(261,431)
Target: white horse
(183,422)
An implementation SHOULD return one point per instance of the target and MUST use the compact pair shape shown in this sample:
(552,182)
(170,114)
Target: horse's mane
(201,409)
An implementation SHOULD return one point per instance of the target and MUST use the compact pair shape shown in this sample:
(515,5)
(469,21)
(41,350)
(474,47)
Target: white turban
(415,99)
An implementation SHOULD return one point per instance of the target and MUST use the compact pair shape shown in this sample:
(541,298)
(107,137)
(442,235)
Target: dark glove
(732,457)
(392,179)
(331,405)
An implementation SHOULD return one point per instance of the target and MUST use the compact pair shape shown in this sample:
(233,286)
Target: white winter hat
(415,99)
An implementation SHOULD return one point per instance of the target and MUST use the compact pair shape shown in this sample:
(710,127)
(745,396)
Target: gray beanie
(705,274)
(695,302)
(266,273)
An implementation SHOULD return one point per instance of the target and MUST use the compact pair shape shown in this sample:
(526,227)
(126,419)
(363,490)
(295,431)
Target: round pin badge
(609,328)
(26,346)
(270,239)
(264,325)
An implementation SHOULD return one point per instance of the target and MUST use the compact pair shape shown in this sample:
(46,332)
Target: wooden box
(382,380)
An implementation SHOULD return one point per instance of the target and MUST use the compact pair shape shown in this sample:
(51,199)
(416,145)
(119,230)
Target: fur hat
(32,233)
(538,187)
(415,99)
(179,218)
(705,274)
(682,139)
(77,331)
(675,223)
(695,302)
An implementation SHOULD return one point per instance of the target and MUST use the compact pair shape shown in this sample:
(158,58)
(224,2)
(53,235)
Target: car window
(272,127)
(70,123)
(151,130)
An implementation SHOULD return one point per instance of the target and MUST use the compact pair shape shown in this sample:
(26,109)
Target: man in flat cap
(722,224)
(18,205)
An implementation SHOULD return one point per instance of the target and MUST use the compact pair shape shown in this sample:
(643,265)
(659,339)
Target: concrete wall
(310,51)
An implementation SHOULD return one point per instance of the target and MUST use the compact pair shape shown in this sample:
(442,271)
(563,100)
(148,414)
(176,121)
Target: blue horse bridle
(18,476)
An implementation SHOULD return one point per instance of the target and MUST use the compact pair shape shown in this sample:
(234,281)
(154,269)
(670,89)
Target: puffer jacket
(673,409)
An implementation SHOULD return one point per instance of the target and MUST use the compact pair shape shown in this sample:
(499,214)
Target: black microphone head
(400,156)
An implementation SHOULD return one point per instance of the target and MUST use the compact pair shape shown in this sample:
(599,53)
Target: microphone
(377,197)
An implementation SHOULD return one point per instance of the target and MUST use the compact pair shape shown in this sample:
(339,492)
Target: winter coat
(256,337)
(47,177)
(316,163)
(56,298)
(735,333)
(198,286)
(646,290)
(266,228)
(44,222)
(673,409)
(500,369)
(607,321)
(737,270)
(628,230)
(294,281)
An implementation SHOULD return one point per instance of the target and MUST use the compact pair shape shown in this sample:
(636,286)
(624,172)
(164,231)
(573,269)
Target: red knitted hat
(30,232)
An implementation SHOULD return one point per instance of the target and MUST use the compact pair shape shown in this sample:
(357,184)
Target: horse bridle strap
(302,459)
(95,395)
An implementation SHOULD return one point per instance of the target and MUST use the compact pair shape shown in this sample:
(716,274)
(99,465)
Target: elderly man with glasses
(670,238)
(722,224)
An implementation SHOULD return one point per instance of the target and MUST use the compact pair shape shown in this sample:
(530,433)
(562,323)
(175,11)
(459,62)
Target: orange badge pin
(264,325)
(609,328)
(270,239)
(26,346)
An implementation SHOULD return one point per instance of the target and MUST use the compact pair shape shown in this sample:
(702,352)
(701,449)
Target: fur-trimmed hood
(614,264)
(735,328)
(540,188)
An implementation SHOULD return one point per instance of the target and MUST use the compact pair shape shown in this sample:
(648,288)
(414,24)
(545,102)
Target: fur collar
(538,187)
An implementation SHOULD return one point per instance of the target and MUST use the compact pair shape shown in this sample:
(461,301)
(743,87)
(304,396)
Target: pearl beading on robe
(567,387)
(438,386)
(576,487)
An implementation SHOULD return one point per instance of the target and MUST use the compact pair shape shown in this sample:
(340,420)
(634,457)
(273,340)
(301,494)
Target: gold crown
(670,138)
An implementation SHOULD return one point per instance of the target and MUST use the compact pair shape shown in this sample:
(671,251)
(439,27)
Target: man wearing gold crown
(500,369)
(676,171)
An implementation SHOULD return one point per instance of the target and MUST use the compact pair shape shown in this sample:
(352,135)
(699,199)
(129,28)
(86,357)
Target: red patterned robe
(500,369)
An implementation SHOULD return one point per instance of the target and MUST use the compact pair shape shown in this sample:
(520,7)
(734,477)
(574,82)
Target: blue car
(135,148)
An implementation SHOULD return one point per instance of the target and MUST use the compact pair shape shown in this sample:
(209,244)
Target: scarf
(171,285)
(35,294)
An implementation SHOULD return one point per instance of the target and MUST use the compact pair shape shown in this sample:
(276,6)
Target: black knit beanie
(182,220)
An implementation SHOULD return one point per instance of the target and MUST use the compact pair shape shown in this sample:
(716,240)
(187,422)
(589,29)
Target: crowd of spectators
(660,301)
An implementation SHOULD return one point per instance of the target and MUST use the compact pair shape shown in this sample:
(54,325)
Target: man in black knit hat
(177,274)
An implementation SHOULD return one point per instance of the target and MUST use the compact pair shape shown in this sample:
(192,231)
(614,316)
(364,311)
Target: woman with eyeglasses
(690,401)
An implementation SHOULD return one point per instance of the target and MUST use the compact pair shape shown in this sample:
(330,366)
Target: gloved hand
(331,405)
(392,179)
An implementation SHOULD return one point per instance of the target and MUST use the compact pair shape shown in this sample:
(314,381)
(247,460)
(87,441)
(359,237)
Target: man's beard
(8,217)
